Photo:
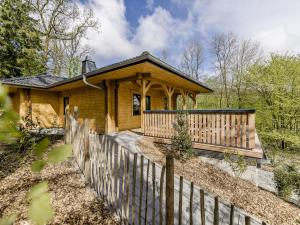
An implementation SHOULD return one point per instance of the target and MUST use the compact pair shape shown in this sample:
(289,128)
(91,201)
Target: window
(136,104)
(148,103)
(166,103)
(66,103)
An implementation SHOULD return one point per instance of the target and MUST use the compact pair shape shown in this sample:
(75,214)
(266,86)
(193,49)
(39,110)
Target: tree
(224,48)
(62,27)
(277,84)
(20,43)
(192,58)
(247,54)
(181,142)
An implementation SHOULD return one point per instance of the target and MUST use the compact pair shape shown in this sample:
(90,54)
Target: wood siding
(91,105)
(45,108)
(125,118)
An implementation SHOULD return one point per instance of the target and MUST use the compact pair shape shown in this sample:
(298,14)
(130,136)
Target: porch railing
(230,128)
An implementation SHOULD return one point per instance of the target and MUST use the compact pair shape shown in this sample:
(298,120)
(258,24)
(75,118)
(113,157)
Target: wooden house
(140,92)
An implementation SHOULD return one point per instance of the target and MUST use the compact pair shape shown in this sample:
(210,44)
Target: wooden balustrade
(230,128)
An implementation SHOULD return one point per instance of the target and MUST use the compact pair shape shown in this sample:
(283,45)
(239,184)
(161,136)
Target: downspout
(89,84)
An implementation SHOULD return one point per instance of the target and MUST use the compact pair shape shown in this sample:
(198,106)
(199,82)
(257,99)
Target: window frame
(139,97)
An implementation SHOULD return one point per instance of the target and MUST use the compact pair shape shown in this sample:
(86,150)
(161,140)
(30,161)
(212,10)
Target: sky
(129,27)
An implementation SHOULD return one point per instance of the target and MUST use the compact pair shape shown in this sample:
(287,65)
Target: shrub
(181,143)
(287,180)
(236,161)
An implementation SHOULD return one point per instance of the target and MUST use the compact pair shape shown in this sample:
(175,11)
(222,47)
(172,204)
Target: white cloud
(149,4)
(118,40)
(275,24)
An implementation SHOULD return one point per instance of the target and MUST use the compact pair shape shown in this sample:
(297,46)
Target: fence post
(87,166)
(169,190)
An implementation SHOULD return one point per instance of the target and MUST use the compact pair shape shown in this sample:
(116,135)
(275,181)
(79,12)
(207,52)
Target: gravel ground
(242,193)
(72,200)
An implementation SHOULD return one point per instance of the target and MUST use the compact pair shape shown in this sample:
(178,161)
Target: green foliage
(8,119)
(59,154)
(38,165)
(41,147)
(181,144)
(8,220)
(287,180)
(236,161)
(40,210)
(19,40)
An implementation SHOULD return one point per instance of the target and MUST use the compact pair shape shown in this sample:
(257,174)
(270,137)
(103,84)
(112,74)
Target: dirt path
(73,202)
(243,194)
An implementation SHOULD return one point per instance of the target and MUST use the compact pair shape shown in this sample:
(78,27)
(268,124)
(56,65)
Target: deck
(213,130)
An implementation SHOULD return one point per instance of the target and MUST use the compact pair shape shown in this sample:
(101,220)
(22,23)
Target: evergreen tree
(181,142)
(20,44)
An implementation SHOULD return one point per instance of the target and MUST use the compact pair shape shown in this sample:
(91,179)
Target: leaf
(38,165)
(41,146)
(40,210)
(37,190)
(8,220)
(59,154)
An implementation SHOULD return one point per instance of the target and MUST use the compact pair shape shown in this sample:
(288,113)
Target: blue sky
(129,27)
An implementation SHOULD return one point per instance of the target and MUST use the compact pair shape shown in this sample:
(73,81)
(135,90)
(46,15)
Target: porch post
(145,86)
(169,93)
(143,103)
(110,125)
(184,96)
(193,96)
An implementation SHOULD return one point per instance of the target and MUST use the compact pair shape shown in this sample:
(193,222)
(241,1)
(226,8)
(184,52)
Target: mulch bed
(72,200)
(262,204)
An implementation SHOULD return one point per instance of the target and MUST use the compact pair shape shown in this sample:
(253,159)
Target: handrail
(203,111)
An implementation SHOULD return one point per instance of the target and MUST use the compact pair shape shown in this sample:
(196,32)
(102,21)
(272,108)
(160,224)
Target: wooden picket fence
(134,186)
(230,128)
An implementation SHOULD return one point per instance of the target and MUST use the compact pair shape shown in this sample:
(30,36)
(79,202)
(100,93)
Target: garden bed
(72,200)
(263,204)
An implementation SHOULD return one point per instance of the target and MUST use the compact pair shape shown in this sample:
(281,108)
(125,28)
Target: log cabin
(137,93)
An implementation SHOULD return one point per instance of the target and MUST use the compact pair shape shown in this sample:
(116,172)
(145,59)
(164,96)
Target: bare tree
(247,54)
(61,21)
(224,48)
(192,58)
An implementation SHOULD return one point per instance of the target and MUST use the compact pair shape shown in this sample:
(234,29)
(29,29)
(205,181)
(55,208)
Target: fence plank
(169,190)
(147,189)
(127,187)
(141,188)
(180,201)
(231,218)
(247,220)
(161,193)
(153,193)
(216,211)
(191,203)
(134,187)
(202,207)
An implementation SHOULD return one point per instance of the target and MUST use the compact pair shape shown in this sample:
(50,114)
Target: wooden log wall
(135,187)
(231,128)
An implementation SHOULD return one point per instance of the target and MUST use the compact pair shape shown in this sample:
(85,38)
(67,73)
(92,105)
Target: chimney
(88,65)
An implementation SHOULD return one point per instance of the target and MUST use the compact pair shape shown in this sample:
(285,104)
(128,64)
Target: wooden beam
(137,76)
(143,102)
(184,94)
(169,91)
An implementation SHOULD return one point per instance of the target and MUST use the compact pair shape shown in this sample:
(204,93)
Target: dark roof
(144,57)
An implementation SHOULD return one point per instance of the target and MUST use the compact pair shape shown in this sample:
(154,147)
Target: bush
(236,161)
(287,180)
(181,143)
